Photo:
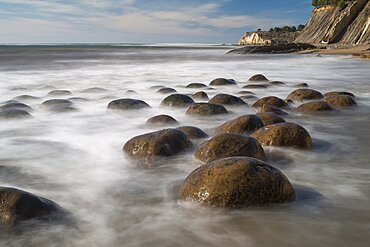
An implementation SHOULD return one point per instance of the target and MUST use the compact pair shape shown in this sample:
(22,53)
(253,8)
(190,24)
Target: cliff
(267,38)
(329,24)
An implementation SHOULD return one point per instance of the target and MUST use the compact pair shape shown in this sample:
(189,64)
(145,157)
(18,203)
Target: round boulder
(14,114)
(162,120)
(236,182)
(305,85)
(258,77)
(59,93)
(270,100)
(284,134)
(245,92)
(226,99)
(127,104)
(222,82)
(15,106)
(196,85)
(268,118)
(17,206)
(276,83)
(340,101)
(166,90)
(177,100)
(304,94)
(192,132)
(145,148)
(274,109)
(200,95)
(241,125)
(229,145)
(26,97)
(206,109)
(314,106)
(256,86)
(95,90)
(335,93)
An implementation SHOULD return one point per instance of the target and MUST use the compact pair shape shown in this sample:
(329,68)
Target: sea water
(76,158)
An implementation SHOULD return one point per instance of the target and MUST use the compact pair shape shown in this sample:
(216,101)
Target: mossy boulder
(226,99)
(229,145)
(270,100)
(304,94)
(314,106)
(222,82)
(336,93)
(268,118)
(193,132)
(127,104)
(258,77)
(241,125)
(236,182)
(283,134)
(340,101)
(177,100)
(206,109)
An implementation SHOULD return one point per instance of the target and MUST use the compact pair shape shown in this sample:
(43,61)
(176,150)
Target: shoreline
(362,51)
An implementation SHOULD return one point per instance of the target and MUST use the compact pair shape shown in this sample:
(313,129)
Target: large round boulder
(236,182)
(226,99)
(177,100)
(201,95)
(274,109)
(304,94)
(314,106)
(270,100)
(241,125)
(222,82)
(340,101)
(147,147)
(193,132)
(268,118)
(162,119)
(258,77)
(229,145)
(196,85)
(127,104)
(206,109)
(283,134)
(17,206)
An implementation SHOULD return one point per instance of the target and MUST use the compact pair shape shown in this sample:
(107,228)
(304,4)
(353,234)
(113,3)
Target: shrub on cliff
(338,3)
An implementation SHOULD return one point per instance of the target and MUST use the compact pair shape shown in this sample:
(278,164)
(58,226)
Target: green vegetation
(338,3)
(287,28)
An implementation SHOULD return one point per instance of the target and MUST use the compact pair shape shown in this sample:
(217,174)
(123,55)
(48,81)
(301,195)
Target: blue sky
(144,21)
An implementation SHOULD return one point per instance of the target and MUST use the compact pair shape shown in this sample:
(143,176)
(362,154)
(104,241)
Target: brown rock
(222,82)
(256,86)
(162,120)
(177,100)
(284,134)
(192,132)
(241,125)
(236,183)
(59,93)
(270,100)
(206,109)
(201,95)
(305,85)
(274,109)
(335,93)
(304,94)
(229,145)
(314,106)
(127,104)
(258,77)
(166,90)
(268,118)
(196,85)
(340,101)
(226,99)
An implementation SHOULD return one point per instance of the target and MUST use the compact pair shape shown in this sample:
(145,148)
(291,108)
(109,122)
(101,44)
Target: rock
(236,182)
(26,97)
(340,101)
(268,118)
(276,83)
(245,92)
(59,93)
(166,90)
(305,85)
(206,109)
(130,91)
(284,134)
(314,106)
(226,99)
(200,95)
(241,125)
(229,145)
(196,85)
(56,103)
(270,100)
(14,114)
(192,132)
(335,93)
(127,104)
(274,109)
(146,148)
(95,90)
(258,77)
(15,106)
(162,120)
(304,94)
(18,206)
(249,97)
(256,86)
(77,99)
(222,82)
(273,49)
(177,100)
(156,87)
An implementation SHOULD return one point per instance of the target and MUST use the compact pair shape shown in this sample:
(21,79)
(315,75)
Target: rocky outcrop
(267,38)
(331,24)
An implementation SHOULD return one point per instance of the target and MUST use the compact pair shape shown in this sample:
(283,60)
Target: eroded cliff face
(267,38)
(332,25)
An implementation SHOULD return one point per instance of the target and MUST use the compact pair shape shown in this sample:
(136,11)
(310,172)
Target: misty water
(76,159)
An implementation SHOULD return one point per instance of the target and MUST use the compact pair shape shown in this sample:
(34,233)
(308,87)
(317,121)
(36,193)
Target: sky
(143,21)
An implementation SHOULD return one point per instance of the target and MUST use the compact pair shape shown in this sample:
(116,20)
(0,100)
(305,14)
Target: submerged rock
(206,109)
(229,145)
(201,95)
(340,101)
(270,100)
(274,109)
(166,90)
(17,206)
(127,104)
(256,86)
(26,97)
(236,183)
(226,99)
(14,114)
(196,85)
(258,77)
(284,134)
(336,93)
(162,120)
(222,82)
(314,106)
(241,125)
(94,90)
(305,85)
(268,118)
(15,106)
(193,132)
(59,93)
(177,100)
(304,94)
(164,143)
(273,49)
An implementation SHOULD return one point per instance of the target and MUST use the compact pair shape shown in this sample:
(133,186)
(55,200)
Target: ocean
(76,159)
